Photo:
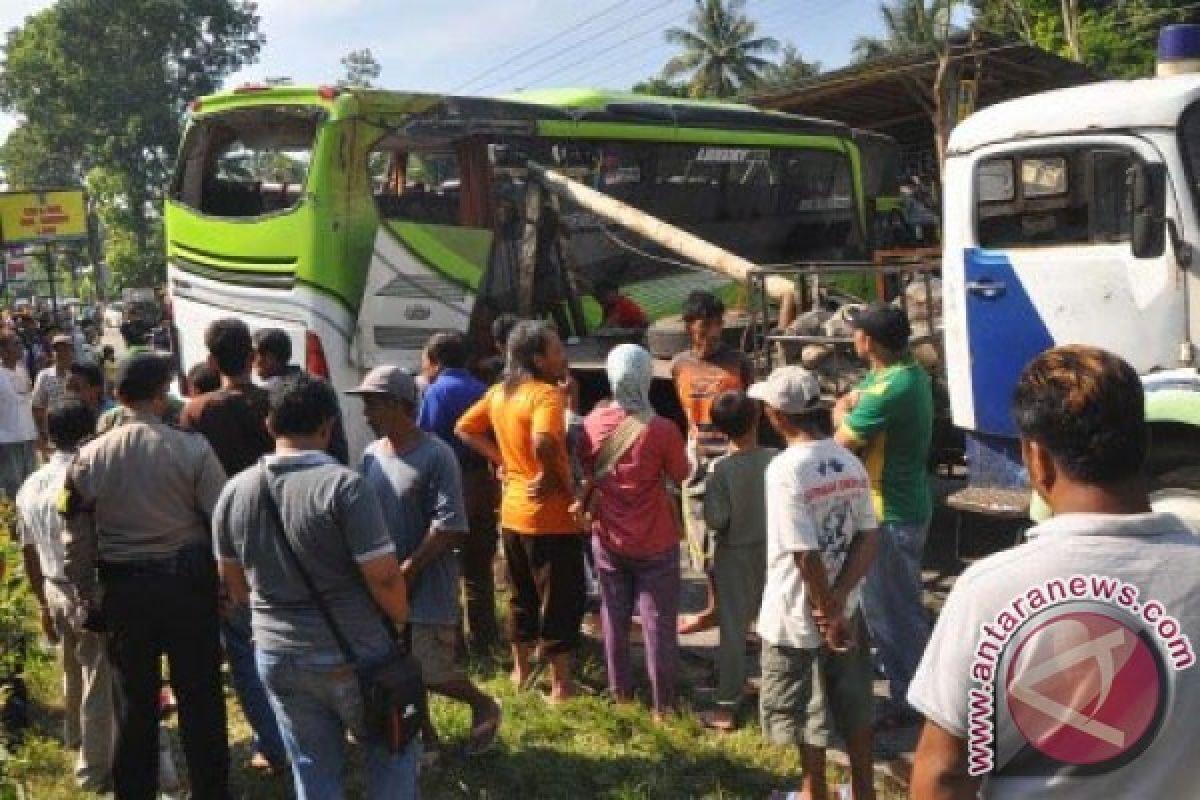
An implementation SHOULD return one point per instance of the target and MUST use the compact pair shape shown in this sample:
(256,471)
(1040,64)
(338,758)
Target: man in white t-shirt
(1065,667)
(18,434)
(822,534)
(51,383)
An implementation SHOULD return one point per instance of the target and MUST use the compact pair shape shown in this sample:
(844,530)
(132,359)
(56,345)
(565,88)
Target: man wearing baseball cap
(416,477)
(51,383)
(888,419)
(821,538)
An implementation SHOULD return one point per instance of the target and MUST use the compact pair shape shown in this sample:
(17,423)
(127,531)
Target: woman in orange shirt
(519,425)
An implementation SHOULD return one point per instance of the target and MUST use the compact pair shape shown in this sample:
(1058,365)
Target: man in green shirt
(888,420)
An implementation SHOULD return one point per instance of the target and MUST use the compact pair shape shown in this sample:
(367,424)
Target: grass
(587,749)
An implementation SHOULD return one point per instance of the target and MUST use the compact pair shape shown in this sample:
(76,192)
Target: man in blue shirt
(416,478)
(450,391)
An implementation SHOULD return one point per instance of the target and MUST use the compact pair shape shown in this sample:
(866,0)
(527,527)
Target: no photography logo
(1085,689)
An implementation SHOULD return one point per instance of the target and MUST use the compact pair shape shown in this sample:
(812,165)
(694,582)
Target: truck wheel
(1178,491)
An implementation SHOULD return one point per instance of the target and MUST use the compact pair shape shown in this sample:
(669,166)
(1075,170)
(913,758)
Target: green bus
(362,221)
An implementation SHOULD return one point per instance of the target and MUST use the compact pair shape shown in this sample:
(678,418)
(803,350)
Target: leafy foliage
(721,54)
(791,70)
(362,70)
(908,25)
(104,84)
(1116,38)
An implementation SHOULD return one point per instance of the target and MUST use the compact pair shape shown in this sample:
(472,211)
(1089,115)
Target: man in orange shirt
(519,425)
(709,368)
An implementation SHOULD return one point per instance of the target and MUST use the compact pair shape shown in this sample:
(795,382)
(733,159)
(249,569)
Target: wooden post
(528,258)
(662,233)
(570,268)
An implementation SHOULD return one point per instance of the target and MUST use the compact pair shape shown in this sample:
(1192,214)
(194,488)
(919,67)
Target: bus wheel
(1178,491)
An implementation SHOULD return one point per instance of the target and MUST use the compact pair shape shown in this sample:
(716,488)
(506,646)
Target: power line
(511,78)
(540,44)
(657,27)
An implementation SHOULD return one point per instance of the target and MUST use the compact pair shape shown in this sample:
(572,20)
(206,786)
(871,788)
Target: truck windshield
(1189,133)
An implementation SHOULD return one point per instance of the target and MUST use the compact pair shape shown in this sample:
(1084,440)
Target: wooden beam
(662,233)
(528,258)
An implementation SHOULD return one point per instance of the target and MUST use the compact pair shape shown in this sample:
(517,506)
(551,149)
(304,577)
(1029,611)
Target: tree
(1115,38)
(791,70)
(721,55)
(660,87)
(105,84)
(919,25)
(361,69)
(908,25)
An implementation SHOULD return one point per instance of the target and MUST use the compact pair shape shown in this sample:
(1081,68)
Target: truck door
(1048,261)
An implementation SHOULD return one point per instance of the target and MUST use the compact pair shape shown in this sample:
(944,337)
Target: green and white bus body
(363,221)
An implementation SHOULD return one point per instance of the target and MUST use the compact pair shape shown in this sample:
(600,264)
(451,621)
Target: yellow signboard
(52,216)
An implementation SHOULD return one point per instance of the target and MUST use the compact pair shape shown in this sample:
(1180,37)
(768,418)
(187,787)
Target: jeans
(891,599)
(150,614)
(654,584)
(316,700)
(243,674)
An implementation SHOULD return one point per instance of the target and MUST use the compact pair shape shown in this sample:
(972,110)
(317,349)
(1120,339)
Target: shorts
(434,647)
(807,694)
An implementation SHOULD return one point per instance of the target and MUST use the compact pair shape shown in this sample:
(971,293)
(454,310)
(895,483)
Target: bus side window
(1044,199)
(417,185)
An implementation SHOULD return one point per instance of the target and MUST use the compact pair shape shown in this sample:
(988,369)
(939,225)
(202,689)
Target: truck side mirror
(1149,201)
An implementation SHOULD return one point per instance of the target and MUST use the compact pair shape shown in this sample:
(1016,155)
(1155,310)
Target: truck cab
(1071,217)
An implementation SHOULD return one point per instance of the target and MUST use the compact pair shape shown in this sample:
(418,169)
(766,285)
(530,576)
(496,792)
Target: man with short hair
(272,364)
(18,431)
(137,503)
(51,383)
(1065,667)
(337,532)
(86,381)
(234,420)
(450,390)
(701,373)
(87,677)
(888,421)
(416,478)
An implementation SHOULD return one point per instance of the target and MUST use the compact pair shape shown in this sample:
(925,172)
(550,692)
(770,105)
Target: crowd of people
(230,528)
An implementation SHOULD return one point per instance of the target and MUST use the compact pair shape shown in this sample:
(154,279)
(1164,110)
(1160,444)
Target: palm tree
(720,52)
(908,25)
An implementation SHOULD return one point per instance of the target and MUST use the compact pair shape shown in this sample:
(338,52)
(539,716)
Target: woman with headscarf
(629,454)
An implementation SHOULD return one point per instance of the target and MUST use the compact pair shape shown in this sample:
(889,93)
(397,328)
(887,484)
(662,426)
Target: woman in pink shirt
(635,530)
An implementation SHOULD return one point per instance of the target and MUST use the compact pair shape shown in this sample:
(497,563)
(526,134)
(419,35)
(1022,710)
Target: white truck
(1073,216)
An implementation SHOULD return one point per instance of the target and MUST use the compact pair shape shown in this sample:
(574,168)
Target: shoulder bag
(612,449)
(393,693)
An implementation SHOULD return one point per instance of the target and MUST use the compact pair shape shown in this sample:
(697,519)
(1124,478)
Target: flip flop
(695,623)
(483,735)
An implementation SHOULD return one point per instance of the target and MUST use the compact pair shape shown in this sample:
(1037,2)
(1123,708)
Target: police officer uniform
(138,551)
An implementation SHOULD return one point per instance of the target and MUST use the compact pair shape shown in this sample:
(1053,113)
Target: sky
(494,46)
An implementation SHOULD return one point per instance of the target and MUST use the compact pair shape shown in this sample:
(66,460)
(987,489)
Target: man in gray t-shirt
(1065,667)
(337,533)
(416,477)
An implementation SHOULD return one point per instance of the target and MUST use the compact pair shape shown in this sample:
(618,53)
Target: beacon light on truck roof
(1178,50)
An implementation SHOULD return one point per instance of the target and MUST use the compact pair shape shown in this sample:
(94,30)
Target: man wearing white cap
(821,537)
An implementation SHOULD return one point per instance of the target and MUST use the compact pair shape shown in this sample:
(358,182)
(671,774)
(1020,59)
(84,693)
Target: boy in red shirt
(619,310)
